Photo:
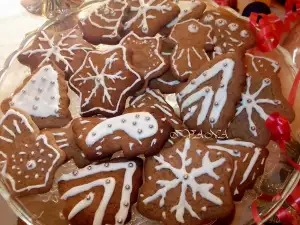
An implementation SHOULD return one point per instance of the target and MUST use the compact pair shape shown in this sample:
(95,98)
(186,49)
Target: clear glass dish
(46,209)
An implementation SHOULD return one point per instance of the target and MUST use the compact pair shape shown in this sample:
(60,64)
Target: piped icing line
(257,152)
(169,83)
(274,63)
(234,153)
(130,168)
(236,143)
(106,95)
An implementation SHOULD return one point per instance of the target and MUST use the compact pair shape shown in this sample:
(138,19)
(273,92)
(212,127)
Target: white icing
(236,192)
(31,164)
(262,161)
(220,22)
(236,143)
(186,180)
(253,160)
(246,157)
(146,123)
(208,18)
(233,153)
(169,83)
(84,204)
(274,63)
(244,33)
(233,26)
(234,172)
(193,28)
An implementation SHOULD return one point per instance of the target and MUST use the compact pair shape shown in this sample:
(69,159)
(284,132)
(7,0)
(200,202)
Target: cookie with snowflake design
(104,81)
(101,193)
(207,101)
(148,17)
(192,39)
(146,56)
(248,163)
(66,49)
(29,158)
(103,22)
(44,96)
(135,132)
(193,10)
(186,184)
(64,138)
(231,32)
(261,97)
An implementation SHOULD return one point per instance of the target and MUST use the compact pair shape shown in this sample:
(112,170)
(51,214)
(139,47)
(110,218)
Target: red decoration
(293,92)
(292,12)
(222,2)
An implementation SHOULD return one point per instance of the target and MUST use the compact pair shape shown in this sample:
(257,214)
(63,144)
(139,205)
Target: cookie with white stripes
(231,32)
(207,101)
(248,163)
(192,10)
(101,193)
(66,49)
(102,23)
(261,97)
(135,132)
(191,39)
(44,96)
(64,138)
(29,158)
(186,184)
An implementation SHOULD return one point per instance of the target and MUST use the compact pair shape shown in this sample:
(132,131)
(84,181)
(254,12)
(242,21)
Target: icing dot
(123,121)
(186,176)
(19,172)
(106,164)
(27,176)
(140,131)
(134,123)
(208,18)
(150,126)
(50,156)
(267,80)
(222,189)
(31,164)
(42,169)
(130,164)
(120,221)
(233,26)
(204,208)
(253,128)
(212,120)
(36,176)
(126,204)
(75,172)
(193,28)
(107,181)
(127,187)
(40,90)
(34,107)
(244,34)
(277,102)
(220,22)
(37,98)
(109,125)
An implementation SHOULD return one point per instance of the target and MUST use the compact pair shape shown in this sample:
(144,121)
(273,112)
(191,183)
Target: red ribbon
(222,2)
(292,13)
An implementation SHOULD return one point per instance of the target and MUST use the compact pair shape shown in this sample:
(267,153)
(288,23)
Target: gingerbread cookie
(102,193)
(249,163)
(186,184)
(166,83)
(135,132)
(231,33)
(103,25)
(208,99)
(66,50)
(146,56)
(262,97)
(194,10)
(44,96)
(64,138)
(104,81)
(192,39)
(29,158)
(148,17)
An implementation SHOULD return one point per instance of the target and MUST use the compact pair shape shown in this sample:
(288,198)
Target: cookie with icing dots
(66,49)
(102,23)
(192,39)
(44,96)
(101,193)
(146,56)
(261,97)
(64,138)
(207,101)
(148,17)
(135,132)
(248,163)
(186,184)
(29,158)
(231,32)
(193,10)
(104,81)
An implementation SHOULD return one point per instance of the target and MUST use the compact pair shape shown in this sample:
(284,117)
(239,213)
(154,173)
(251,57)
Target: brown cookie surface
(29,158)
(191,39)
(166,83)
(248,163)
(146,56)
(102,193)
(44,96)
(208,99)
(186,184)
(104,81)
(148,17)
(231,33)
(104,23)
(66,50)
(261,97)
(135,132)
(64,139)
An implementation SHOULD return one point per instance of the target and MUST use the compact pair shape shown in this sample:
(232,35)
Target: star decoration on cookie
(30,157)
(146,55)
(147,17)
(104,81)
(66,49)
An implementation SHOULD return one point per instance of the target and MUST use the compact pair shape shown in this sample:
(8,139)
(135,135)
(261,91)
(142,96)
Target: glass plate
(46,209)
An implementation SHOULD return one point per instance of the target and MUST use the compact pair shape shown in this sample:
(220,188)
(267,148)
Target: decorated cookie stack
(152,48)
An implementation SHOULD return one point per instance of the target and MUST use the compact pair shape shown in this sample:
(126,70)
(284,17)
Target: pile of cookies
(153,48)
